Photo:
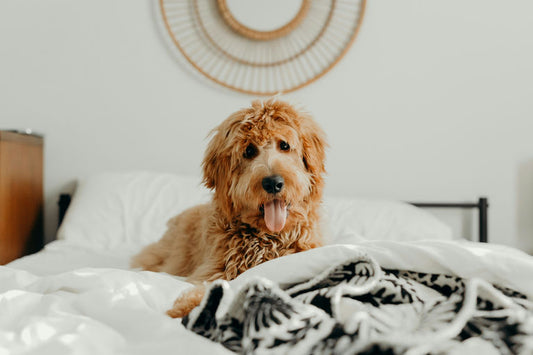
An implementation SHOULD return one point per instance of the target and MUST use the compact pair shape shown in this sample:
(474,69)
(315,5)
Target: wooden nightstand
(21,195)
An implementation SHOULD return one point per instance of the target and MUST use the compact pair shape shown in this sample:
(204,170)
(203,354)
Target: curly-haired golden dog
(266,165)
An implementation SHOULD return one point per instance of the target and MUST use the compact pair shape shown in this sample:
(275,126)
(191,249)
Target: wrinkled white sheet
(51,303)
(93,311)
(61,256)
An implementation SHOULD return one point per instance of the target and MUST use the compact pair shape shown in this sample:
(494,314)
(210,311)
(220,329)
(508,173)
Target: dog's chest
(247,248)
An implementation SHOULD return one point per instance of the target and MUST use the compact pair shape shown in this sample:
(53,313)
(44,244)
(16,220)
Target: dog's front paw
(178,311)
(187,302)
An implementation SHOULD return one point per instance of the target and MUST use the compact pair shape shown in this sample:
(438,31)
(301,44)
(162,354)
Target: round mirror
(263,19)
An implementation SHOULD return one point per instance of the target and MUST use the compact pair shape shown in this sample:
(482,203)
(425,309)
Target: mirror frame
(251,33)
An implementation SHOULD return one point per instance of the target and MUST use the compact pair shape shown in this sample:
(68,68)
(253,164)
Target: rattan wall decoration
(258,62)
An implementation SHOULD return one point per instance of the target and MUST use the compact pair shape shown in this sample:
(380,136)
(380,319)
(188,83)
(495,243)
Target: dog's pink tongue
(275,215)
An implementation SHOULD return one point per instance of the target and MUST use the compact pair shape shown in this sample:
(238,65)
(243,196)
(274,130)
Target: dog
(265,165)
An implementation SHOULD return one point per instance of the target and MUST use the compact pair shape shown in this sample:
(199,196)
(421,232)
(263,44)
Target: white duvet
(78,296)
(112,310)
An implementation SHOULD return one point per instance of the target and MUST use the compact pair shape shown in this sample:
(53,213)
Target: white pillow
(128,209)
(113,210)
(351,220)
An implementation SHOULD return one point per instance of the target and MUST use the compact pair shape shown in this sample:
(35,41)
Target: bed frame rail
(63,203)
(482,205)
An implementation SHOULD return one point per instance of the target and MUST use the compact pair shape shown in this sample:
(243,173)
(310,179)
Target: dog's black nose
(273,184)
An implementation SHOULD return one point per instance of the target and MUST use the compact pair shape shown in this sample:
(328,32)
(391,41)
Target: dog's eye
(250,152)
(284,145)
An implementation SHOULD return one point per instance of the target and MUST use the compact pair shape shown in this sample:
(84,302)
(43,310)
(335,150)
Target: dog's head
(266,166)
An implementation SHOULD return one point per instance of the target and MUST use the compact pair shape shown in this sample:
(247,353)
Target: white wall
(433,102)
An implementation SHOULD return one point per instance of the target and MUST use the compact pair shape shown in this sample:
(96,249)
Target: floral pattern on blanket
(357,307)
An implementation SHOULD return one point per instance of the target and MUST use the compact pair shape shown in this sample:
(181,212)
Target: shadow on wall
(524,206)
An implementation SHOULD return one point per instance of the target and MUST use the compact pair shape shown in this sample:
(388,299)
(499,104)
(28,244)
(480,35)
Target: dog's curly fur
(222,239)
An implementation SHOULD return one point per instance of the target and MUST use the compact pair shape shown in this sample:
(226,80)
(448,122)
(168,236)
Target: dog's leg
(187,301)
(151,258)
(193,297)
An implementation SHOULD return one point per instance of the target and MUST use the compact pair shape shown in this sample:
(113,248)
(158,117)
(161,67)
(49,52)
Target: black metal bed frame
(63,203)
(482,205)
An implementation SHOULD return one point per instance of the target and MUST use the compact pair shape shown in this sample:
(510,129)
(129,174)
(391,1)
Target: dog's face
(266,165)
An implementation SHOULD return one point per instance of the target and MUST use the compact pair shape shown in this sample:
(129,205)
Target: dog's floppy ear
(218,162)
(215,166)
(218,155)
(217,169)
(314,146)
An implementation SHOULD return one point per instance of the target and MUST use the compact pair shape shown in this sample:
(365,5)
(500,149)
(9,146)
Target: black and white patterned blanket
(359,308)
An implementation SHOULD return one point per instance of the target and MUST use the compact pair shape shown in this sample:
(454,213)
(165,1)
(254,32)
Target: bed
(391,278)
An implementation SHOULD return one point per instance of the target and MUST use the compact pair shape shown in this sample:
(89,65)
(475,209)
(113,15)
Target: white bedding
(79,296)
(91,310)
(112,310)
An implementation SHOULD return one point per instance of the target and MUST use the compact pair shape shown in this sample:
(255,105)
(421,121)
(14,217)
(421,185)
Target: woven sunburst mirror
(261,47)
